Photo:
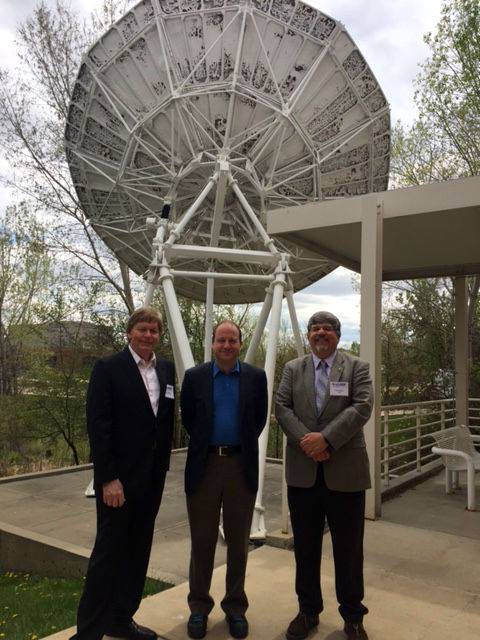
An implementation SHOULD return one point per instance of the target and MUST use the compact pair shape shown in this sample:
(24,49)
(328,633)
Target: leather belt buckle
(223,451)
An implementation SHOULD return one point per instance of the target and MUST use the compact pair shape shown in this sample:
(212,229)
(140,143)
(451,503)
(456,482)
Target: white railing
(405,441)
(474,415)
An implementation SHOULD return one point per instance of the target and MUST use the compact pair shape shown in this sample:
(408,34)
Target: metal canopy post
(370,343)
(461,351)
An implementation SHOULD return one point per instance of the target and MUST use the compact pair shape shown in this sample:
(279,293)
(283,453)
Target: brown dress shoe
(355,631)
(301,625)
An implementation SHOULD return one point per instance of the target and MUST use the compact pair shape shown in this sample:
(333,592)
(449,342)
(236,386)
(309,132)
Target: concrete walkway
(55,507)
(421,585)
(422,562)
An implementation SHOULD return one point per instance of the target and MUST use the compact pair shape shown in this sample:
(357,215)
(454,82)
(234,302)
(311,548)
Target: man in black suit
(130,415)
(224,409)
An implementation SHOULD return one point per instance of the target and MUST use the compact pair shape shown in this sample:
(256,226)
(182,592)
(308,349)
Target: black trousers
(345,513)
(118,564)
(223,487)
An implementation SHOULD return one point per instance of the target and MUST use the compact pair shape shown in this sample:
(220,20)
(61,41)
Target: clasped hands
(315,446)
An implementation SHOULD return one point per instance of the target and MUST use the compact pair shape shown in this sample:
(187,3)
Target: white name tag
(169,393)
(339,388)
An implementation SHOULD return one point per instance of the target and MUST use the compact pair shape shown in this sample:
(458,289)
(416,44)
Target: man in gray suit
(323,401)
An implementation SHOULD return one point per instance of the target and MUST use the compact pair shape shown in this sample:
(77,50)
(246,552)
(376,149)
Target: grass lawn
(32,607)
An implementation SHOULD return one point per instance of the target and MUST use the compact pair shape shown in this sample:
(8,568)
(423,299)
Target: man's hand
(313,444)
(113,493)
(321,457)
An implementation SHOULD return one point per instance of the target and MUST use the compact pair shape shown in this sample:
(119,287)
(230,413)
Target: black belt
(225,449)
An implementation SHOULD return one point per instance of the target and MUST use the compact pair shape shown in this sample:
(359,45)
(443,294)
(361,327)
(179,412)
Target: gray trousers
(223,487)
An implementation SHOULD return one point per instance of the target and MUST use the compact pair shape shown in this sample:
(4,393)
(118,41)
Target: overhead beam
(219,253)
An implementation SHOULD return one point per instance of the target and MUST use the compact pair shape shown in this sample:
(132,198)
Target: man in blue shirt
(224,409)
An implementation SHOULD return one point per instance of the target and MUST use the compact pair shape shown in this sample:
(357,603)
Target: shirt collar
(328,361)
(216,370)
(140,361)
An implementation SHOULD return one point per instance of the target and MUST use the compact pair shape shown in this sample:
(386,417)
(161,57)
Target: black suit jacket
(196,402)
(127,440)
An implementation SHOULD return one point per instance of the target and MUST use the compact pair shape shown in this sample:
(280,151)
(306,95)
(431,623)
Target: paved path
(55,506)
(421,585)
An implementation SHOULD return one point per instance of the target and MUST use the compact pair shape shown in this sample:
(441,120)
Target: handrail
(415,404)
(405,446)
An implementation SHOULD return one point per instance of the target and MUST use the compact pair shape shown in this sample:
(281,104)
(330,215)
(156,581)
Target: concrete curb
(45,474)
(26,551)
(34,475)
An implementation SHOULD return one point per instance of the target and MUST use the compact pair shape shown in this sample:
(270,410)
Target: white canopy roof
(431,230)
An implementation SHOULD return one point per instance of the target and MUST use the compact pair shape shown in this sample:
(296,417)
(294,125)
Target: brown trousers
(223,487)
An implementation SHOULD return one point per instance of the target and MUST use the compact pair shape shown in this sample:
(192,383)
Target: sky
(389,33)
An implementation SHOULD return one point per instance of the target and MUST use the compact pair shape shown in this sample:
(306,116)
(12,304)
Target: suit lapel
(207,393)
(309,379)
(242,393)
(162,384)
(337,368)
(136,379)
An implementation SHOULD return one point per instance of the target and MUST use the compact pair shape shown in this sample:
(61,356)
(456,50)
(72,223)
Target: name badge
(339,388)
(169,393)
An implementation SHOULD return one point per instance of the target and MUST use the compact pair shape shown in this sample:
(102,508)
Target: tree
(448,87)
(33,111)
(417,342)
(67,345)
(421,153)
(25,270)
(444,143)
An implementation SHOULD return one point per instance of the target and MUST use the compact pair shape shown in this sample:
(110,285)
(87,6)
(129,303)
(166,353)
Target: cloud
(390,36)
(333,293)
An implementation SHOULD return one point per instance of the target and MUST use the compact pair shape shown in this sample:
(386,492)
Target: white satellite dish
(190,119)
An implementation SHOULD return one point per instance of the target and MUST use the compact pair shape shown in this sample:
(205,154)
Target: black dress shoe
(301,625)
(132,631)
(237,625)
(355,631)
(197,625)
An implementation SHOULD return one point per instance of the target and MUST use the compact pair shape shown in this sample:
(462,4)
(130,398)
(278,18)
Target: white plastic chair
(456,447)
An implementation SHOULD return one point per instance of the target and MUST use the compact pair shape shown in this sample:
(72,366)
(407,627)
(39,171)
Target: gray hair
(325,317)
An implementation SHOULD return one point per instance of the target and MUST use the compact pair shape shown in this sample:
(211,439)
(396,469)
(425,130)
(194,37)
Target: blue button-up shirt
(226,399)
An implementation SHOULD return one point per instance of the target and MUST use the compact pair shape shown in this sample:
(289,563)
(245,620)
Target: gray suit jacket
(340,419)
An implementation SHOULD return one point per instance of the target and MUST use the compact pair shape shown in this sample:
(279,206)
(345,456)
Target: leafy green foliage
(443,144)
(448,88)
(417,343)
(25,270)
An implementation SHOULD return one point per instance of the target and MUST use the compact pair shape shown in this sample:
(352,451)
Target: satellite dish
(190,119)
(275,88)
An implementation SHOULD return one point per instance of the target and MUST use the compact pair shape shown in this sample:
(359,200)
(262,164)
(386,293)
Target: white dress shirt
(149,377)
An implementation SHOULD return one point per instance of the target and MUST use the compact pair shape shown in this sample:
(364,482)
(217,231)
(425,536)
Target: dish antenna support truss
(278,285)
(190,119)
